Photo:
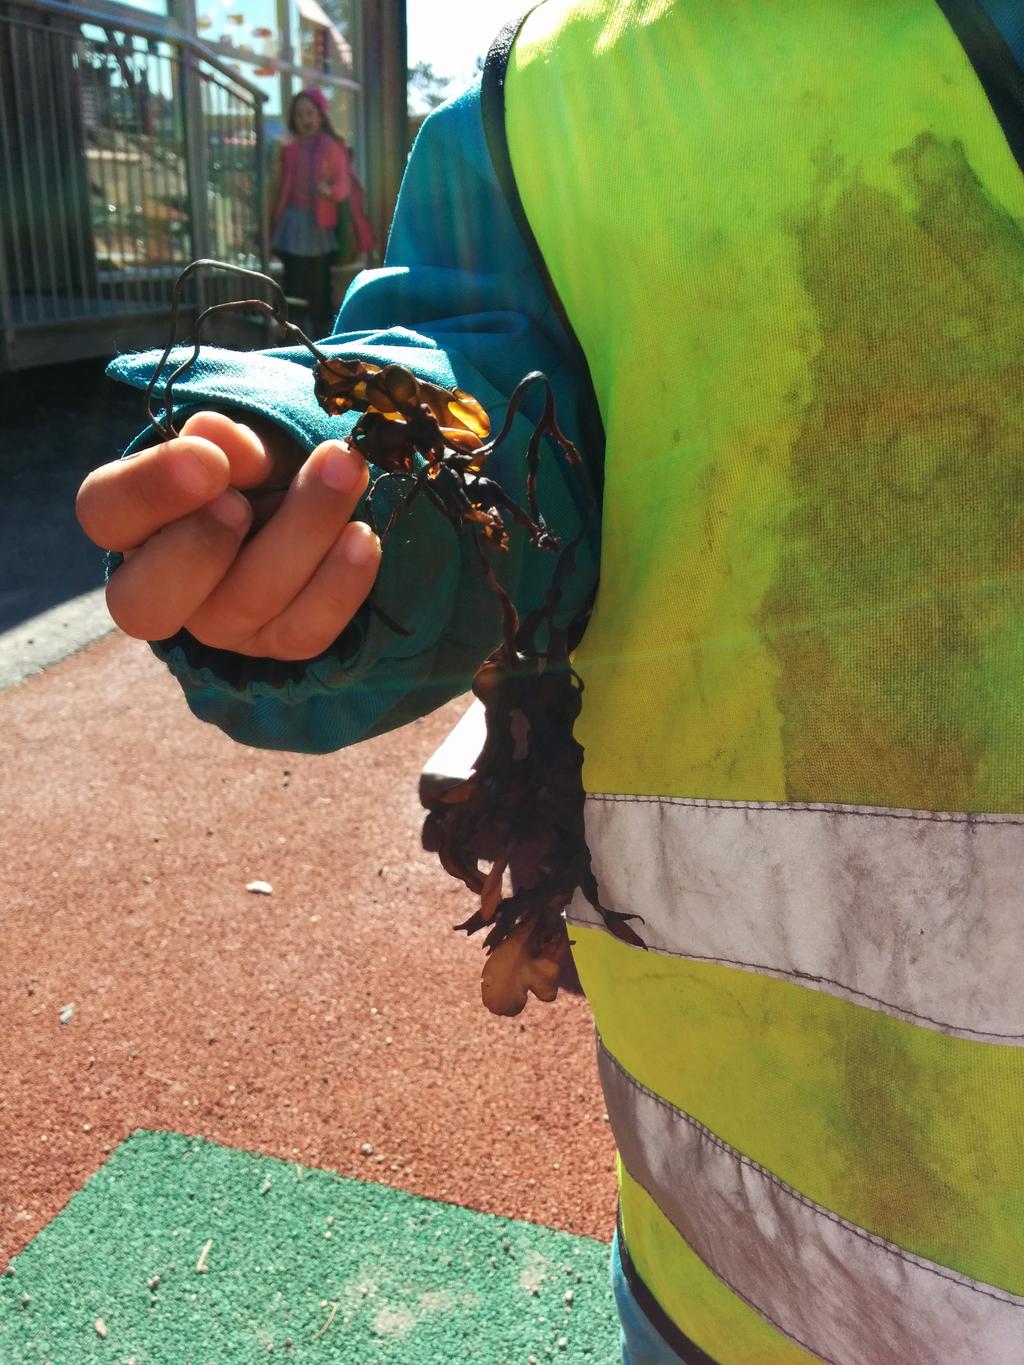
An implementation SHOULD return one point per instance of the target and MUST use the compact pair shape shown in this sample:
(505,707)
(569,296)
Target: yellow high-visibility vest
(790,239)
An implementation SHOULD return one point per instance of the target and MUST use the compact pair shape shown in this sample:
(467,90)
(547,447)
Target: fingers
(283,557)
(286,593)
(258,451)
(327,603)
(167,579)
(122,504)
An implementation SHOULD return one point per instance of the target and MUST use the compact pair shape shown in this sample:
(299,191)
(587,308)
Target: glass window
(343,110)
(327,37)
(231,172)
(249,26)
(266,79)
(151,6)
(134,149)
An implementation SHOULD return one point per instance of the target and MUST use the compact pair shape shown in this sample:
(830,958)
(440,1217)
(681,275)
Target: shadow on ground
(55,425)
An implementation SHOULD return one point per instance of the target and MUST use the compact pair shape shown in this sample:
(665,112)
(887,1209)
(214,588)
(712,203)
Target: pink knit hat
(318,98)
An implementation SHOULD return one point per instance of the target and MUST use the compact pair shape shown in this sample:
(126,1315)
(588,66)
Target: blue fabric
(460,303)
(642,1343)
(1008,17)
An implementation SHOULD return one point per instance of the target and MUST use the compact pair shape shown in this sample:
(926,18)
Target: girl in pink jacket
(313,177)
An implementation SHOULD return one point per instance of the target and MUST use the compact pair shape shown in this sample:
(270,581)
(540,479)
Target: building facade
(136,138)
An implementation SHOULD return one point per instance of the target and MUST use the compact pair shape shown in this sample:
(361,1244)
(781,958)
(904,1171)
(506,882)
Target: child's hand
(175,512)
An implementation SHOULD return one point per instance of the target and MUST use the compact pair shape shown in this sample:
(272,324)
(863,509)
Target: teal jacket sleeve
(461,302)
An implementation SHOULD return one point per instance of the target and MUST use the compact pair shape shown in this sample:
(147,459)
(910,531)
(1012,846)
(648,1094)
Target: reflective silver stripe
(919,915)
(839,1292)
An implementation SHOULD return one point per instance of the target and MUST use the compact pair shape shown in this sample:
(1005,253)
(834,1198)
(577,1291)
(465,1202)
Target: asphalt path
(55,425)
(335,1021)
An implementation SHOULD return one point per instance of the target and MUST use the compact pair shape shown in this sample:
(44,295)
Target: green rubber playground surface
(181,1252)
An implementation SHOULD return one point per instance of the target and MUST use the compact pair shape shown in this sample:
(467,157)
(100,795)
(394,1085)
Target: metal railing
(126,150)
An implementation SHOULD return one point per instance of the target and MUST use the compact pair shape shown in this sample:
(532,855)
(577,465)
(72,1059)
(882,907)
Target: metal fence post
(263,229)
(6,320)
(196,164)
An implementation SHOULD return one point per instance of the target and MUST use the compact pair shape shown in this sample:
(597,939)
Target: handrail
(125,23)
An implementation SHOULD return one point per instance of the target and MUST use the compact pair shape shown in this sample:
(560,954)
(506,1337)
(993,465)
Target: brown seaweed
(514,830)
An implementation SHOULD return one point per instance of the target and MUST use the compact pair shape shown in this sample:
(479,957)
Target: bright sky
(451,34)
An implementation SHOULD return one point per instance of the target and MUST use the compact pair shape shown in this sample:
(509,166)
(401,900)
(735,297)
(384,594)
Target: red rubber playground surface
(240,1126)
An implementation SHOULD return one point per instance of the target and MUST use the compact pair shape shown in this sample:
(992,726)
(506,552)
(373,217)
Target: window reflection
(326,36)
(250,26)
